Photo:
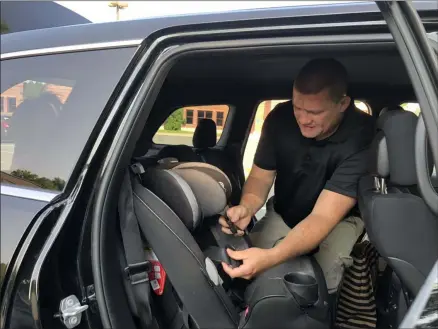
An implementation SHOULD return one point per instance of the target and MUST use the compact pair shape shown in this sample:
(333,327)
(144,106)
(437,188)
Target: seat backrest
(398,222)
(169,205)
(204,140)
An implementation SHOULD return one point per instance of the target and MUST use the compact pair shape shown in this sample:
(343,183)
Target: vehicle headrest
(390,108)
(181,152)
(394,147)
(379,156)
(192,190)
(205,134)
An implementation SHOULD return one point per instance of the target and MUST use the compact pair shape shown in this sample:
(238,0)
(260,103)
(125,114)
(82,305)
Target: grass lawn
(174,132)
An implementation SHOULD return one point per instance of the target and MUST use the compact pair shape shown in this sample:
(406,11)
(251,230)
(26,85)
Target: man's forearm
(303,238)
(254,194)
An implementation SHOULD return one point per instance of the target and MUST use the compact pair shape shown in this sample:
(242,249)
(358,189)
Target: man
(315,147)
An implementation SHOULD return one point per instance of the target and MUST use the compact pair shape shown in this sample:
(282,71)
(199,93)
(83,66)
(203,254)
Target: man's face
(318,115)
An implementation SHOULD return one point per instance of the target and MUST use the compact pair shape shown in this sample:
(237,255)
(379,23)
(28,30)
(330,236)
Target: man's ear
(345,103)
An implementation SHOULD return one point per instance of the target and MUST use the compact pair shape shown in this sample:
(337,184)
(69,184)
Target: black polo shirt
(306,166)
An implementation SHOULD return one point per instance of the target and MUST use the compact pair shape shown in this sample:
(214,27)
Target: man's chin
(309,133)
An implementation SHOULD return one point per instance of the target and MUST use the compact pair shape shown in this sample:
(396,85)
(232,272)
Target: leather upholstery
(398,223)
(204,139)
(205,135)
(399,131)
(171,206)
(379,160)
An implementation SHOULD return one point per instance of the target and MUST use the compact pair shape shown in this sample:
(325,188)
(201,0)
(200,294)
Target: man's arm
(329,210)
(256,188)
(262,175)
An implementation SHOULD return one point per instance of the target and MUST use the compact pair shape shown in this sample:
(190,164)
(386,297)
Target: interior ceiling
(369,68)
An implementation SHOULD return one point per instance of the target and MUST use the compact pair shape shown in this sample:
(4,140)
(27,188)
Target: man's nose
(305,119)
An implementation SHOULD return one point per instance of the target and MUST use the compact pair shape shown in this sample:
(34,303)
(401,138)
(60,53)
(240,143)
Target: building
(11,98)
(192,115)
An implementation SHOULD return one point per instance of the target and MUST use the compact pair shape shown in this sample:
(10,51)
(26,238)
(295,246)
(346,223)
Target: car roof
(142,28)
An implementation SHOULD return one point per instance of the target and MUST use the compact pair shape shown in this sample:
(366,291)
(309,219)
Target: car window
(180,126)
(363,106)
(412,107)
(49,106)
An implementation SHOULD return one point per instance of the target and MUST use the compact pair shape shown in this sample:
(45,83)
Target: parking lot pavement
(173,139)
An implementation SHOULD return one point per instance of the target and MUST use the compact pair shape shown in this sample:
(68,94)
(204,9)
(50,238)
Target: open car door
(419,53)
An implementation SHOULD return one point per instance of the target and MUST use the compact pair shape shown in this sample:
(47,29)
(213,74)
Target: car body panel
(73,36)
(143,28)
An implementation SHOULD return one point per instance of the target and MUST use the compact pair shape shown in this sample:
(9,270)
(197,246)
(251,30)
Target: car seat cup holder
(303,287)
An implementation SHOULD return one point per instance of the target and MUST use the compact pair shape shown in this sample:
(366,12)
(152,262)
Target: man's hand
(239,215)
(255,261)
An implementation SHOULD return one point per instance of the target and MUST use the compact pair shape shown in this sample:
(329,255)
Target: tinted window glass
(16,214)
(412,107)
(50,105)
(181,124)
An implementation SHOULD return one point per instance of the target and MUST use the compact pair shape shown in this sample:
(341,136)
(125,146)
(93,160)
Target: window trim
(195,122)
(73,48)
(28,193)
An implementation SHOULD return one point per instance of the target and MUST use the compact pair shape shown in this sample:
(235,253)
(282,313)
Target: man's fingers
(226,230)
(234,214)
(240,271)
(236,254)
(223,222)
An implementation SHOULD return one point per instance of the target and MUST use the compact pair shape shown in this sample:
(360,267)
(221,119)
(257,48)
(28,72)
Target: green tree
(46,183)
(3,27)
(2,272)
(175,121)
(32,89)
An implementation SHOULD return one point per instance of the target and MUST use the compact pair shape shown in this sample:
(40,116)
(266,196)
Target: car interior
(177,193)
(181,191)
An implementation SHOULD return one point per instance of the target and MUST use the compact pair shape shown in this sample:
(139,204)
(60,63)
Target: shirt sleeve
(346,176)
(265,156)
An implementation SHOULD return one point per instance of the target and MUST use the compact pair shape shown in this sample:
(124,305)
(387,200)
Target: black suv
(82,162)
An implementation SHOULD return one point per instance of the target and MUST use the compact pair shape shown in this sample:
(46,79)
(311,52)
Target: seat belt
(138,268)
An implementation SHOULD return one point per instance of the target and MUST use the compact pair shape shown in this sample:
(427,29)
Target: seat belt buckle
(138,272)
(157,275)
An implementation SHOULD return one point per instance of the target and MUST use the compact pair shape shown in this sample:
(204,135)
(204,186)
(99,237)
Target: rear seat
(204,140)
(170,205)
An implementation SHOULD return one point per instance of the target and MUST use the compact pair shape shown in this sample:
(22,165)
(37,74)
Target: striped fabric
(356,307)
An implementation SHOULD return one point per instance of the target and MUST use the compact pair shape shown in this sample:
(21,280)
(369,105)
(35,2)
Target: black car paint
(26,297)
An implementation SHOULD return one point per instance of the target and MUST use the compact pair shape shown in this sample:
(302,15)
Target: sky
(99,11)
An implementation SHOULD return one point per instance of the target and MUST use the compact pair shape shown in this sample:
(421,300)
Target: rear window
(49,106)
(412,107)
(180,126)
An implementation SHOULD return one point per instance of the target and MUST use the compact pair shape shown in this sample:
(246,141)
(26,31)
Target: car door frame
(418,55)
(411,39)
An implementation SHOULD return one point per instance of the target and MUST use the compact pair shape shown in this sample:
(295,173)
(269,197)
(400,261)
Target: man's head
(319,97)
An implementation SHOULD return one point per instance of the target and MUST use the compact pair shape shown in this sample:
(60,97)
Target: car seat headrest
(379,161)
(181,152)
(193,191)
(205,134)
(394,147)
(390,108)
